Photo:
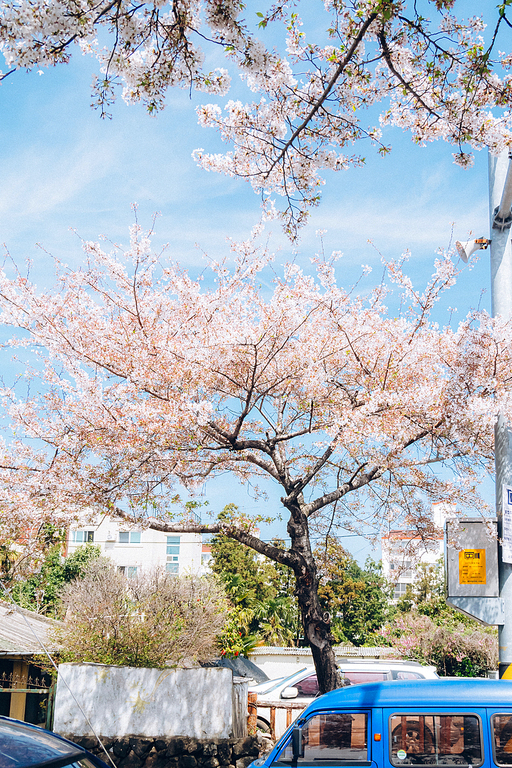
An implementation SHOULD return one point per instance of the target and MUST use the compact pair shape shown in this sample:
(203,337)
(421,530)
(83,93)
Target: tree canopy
(148,378)
(318,77)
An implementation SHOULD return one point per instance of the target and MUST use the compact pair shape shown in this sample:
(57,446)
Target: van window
(332,737)
(364,677)
(403,674)
(435,739)
(502,729)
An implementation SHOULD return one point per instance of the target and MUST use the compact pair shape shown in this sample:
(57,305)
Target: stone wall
(133,752)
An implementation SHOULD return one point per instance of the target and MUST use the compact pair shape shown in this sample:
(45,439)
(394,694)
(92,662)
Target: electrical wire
(60,675)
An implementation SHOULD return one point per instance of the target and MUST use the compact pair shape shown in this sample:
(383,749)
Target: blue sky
(64,168)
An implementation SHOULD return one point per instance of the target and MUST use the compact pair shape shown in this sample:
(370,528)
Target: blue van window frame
(331,761)
(457,758)
(495,752)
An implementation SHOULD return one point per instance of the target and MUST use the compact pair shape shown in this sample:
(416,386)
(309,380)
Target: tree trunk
(315,622)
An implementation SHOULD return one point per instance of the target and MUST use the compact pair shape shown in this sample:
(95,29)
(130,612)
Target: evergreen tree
(41,591)
(357,598)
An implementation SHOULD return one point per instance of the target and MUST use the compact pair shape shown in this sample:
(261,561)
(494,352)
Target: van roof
(460,694)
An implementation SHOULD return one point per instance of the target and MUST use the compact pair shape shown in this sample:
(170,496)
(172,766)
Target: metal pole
(500,186)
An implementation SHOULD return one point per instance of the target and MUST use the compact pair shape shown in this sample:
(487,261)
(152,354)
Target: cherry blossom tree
(145,380)
(321,76)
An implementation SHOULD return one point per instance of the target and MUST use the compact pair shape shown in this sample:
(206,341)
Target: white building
(135,550)
(403,551)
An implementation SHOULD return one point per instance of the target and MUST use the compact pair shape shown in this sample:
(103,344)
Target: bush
(154,620)
(454,649)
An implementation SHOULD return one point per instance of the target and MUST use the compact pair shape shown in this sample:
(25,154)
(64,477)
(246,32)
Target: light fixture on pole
(466,248)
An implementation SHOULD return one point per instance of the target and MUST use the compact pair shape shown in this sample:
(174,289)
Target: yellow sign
(472,566)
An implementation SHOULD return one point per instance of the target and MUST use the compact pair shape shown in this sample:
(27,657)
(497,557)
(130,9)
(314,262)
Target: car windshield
(22,746)
(280,681)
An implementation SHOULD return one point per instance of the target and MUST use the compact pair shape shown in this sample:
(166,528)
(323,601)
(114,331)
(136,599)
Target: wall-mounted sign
(472,566)
(471,560)
(471,557)
(506,535)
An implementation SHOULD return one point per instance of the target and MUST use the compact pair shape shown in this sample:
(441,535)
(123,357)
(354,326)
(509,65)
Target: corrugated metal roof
(339,650)
(24,632)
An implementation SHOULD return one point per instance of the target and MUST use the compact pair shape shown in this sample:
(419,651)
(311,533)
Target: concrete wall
(151,703)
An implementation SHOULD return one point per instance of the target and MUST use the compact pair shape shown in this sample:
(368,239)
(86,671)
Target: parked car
(451,723)
(241,667)
(27,746)
(302,686)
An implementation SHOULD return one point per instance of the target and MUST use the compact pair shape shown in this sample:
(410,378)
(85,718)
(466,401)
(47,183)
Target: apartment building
(135,549)
(404,550)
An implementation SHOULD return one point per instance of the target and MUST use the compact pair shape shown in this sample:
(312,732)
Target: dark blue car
(27,746)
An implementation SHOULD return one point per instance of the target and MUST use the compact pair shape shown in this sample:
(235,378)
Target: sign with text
(472,566)
(506,536)
(471,557)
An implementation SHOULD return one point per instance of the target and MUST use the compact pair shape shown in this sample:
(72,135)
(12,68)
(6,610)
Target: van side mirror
(297,745)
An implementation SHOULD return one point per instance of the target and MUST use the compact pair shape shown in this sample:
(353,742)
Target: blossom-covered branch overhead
(314,94)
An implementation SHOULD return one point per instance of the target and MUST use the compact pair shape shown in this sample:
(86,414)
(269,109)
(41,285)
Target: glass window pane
(364,677)
(502,728)
(131,571)
(330,738)
(124,537)
(89,536)
(435,739)
(173,539)
(402,675)
(173,550)
(171,567)
(308,686)
(135,537)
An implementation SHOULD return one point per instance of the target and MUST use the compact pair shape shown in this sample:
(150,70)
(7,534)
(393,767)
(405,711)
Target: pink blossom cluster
(143,377)
(436,75)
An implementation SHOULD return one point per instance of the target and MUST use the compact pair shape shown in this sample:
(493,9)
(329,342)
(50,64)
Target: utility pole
(500,201)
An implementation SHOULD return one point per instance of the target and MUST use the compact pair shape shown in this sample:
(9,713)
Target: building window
(129,537)
(130,571)
(173,554)
(82,537)
(400,589)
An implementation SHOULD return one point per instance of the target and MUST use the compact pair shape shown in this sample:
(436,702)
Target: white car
(302,686)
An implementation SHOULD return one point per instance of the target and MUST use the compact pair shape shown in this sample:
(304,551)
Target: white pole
(500,200)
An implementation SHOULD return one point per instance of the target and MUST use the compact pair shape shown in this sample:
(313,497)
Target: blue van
(466,722)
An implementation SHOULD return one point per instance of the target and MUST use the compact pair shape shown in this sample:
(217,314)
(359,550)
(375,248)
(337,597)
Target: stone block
(210,762)
(243,762)
(175,748)
(187,761)
(224,752)
(246,746)
(141,747)
(131,761)
(121,747)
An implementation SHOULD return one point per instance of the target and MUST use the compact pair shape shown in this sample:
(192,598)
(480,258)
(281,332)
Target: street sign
(506,543)
(471,555)
(472,566)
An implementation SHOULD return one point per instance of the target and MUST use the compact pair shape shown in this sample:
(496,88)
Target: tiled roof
(24,632)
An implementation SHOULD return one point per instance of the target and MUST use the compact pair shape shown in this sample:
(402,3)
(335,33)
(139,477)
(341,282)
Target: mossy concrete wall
(118,702)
